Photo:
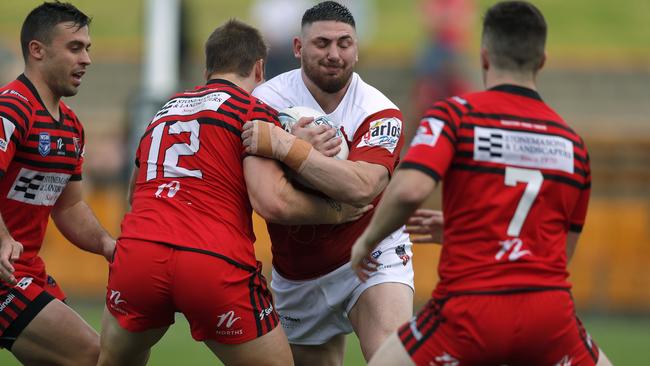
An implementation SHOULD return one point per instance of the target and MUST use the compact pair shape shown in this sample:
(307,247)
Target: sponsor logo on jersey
(24,283)
(13,92)
(384,133)
(44,143)
(226,321)
(400,250)
(6,130)
(526,149)
(38,188)
(428,132)
(77,147)
(445,360)
(183,106)
(376,254)
(514,249)
(60,146)
(6,302)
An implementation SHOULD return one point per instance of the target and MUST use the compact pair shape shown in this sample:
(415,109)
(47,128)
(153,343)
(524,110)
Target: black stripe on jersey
(222,124)
(2,173)
(424,169)
(43,164)
(575,228)
(256,310)
(34,151)
(446,120)
(502,171)
(13,98)
(20,114)
(75,177)
(456,110)
(235,107)
(55,126)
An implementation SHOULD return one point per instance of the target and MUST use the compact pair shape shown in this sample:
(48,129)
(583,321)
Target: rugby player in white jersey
(317,294)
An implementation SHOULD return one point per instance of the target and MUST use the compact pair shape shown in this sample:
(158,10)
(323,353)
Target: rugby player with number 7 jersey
(187,243)
(516,188)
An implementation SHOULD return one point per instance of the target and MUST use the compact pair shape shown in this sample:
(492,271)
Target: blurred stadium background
(597,76)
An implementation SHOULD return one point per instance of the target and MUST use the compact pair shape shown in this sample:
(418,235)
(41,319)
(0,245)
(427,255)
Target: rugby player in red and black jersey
(41,154)
(187,243)
(516,187)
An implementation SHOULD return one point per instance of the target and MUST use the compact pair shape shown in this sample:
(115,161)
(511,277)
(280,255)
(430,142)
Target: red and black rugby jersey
(515,178)
(190,189)
(38,156)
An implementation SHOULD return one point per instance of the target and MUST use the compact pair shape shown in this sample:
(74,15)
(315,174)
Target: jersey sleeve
(80,149)
(14,124)
(379,139)
(579,214)
(434,144)
(263,112)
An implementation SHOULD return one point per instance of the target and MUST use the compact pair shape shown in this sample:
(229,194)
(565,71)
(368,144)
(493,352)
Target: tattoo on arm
(334,204)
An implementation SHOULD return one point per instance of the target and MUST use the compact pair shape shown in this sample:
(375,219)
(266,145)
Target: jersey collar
(28,84)
(518,90)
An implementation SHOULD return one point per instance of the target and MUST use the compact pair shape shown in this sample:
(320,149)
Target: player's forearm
(4,232)
(352,182)
(80,226)
(406,192)
(301,208)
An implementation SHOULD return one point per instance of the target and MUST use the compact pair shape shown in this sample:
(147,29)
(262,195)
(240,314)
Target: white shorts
(313,311)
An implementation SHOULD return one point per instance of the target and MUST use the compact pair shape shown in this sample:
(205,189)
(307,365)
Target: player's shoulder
(281,89)
(368,98)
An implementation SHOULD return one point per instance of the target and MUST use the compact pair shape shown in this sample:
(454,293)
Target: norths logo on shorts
(227,320)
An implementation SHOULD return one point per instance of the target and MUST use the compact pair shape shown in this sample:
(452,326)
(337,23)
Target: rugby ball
(290,116)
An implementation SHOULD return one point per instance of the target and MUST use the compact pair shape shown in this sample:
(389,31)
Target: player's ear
(297,47)
(36,49)
(485,60)
(542,61)
(258,69)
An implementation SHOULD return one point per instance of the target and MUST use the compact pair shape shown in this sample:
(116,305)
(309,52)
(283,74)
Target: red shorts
(223,300)
(527,328)
(20,304)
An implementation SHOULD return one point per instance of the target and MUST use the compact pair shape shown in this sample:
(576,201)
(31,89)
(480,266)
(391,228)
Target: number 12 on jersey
(172,153)
(533,180)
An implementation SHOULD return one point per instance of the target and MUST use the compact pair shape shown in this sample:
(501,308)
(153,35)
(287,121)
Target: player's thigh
(378,312)
(120,347)
(57,335)
(391,353)
(268,350)
(330,353)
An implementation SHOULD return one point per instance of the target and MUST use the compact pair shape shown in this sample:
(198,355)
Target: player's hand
(363,264)
(321,137)
(266,139)
(10,251)
(428,224)
(108,249)
(352,213)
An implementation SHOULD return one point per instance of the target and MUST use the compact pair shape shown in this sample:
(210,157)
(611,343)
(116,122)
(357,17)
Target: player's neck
(327,101)
(246,83)
(50,100)
(497,77)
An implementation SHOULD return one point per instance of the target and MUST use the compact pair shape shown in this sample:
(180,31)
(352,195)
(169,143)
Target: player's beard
(326,83)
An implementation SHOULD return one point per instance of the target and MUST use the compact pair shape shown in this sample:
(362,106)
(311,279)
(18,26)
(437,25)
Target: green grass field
(624,339)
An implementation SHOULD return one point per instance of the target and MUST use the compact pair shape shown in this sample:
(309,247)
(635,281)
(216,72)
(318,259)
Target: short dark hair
(40,22)
(328,10)
(514,33)
(234,47)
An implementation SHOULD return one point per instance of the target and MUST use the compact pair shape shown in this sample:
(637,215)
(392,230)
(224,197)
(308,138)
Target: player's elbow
(360,196)
(270,208)
(411,195)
